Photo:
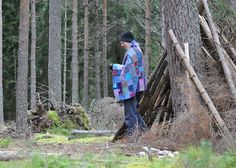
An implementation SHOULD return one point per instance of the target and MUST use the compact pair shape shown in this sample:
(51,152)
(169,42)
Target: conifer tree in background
(54,57)
(75,64)
(65,52)
(1,69)
(147,35)
(97,54)
(22,70)
(86,53)
(33,56)
(104,48)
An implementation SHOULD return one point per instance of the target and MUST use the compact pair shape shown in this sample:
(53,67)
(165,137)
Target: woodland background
(121,16)
(61,49)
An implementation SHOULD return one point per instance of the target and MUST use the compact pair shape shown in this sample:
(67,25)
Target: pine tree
(86,53)
(104,49)
(33,55)
(1,68)
(54,60)
(74,64)
(22,70)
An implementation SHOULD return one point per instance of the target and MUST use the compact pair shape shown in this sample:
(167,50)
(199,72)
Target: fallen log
(229,139)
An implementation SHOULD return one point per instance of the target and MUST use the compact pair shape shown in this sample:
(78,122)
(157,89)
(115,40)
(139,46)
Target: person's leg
(138,98)
(131,118)
(141,122)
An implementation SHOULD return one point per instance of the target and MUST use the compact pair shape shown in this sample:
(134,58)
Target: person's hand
(111,67)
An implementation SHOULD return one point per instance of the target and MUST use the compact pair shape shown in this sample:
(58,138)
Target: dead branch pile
(156,101)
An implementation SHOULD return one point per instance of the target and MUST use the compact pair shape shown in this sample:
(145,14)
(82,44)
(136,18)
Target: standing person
(129,81)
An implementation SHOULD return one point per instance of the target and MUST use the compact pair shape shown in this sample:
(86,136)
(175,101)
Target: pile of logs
(157,98)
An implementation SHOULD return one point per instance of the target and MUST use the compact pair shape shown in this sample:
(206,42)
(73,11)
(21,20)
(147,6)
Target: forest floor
(88,151)
(58,144)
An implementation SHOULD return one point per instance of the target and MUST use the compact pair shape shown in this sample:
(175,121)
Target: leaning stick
(216,117)
(231,47)
(207,30)
(215,35)
(228,59)
(205,27)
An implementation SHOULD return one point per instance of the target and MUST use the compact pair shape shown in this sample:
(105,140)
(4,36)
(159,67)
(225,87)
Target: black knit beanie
(127,37)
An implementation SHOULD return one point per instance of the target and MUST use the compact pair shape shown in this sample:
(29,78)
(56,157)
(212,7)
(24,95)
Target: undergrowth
(204,157)
(89,160)
(5,142)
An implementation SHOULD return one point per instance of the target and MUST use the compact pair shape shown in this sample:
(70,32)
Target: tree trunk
(104,48)
(65,52)
(163,38)
(1,69)
(86,54)
(75,64)
(33,55)
(54,62)
(97,55)
(22,70)
(147,35)
(182,16)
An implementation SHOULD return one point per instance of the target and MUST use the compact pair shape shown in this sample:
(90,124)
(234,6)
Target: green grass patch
(203,156)
(39,161)
(54,138)
(5,142)
(59,131)
(14,164)
(89,160)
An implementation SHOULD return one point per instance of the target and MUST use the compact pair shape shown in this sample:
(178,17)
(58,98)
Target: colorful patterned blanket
(128,78)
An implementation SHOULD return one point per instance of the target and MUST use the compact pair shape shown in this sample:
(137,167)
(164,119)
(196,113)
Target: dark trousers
(132,117)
